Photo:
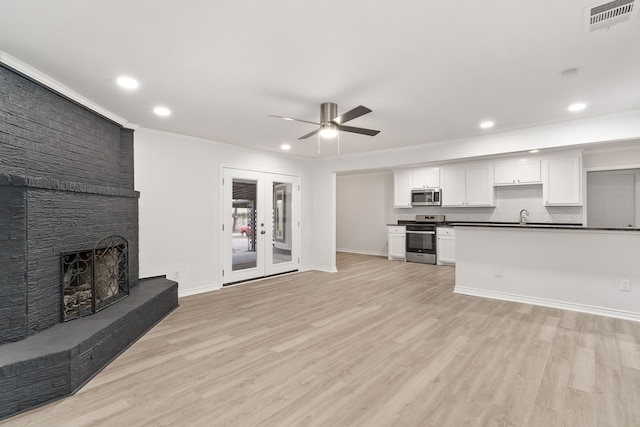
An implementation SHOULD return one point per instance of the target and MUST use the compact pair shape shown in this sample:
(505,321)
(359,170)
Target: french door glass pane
(243,231)
(282,231)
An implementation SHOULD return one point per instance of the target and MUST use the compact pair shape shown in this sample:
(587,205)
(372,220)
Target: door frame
(295,214)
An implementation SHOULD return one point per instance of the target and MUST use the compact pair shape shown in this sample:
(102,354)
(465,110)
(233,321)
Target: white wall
(179,179)
(624,126)
(578,270)
(613,158)
(364,206)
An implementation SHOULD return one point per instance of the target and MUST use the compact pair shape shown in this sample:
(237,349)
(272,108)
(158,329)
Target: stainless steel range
(421,239)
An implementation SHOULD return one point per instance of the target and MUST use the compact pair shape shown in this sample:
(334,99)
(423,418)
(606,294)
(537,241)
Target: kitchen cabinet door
(396,242)
(562,184)
(446,249)
(470,186)
(453,187)
(426,178)
(505,173)
(517,172)
(479,186)
(528,172)
(402,185)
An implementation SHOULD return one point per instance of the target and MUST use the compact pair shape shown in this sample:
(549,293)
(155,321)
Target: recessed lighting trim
(285,147)
(162,111)
(128,82)
(577,106)
(487,124)
(534,151)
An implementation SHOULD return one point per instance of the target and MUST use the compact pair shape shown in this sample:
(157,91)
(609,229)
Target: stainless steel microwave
(426,197)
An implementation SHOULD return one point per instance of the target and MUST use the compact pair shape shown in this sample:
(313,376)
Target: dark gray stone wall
(13,250)
(82,219)
(66,182)
(44,135)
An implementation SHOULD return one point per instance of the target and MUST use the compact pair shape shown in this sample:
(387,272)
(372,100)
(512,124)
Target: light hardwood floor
(379,343)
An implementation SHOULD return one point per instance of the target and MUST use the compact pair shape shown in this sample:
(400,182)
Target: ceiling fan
(330,123)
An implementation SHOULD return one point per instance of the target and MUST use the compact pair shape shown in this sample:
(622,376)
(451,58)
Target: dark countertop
(538,225)
(530,225)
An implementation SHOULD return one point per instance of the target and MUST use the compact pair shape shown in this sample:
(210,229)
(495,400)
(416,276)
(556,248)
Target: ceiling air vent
(608,14)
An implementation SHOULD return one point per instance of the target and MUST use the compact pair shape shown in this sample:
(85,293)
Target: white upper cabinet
(402,185)
(562,181)
(454,191)
(468,186)
(517,172)
(426,178)
(479,181)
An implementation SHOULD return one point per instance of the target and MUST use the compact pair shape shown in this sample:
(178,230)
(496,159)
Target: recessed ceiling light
(128,82)
(534,151)
(162,111)
(285,146)
(487,124)
(577,106)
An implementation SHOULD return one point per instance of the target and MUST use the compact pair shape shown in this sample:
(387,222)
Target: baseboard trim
(361,252)
(325,269)
(582,308)
(195,291)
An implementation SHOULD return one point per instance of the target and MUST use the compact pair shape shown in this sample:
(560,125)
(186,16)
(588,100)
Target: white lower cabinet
(446,245)
(396,242)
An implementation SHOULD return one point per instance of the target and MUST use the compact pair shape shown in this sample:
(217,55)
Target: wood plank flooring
(380,343)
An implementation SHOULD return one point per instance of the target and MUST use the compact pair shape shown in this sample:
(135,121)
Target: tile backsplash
(509,201)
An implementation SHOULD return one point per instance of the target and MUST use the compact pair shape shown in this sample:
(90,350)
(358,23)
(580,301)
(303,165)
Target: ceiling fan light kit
(331,124)
(328,130)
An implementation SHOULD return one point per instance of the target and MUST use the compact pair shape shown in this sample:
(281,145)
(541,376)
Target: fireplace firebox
(94,279)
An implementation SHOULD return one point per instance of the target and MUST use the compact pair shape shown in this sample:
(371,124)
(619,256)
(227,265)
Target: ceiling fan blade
(310,134)
(362,131)
(360,110)
(292,119)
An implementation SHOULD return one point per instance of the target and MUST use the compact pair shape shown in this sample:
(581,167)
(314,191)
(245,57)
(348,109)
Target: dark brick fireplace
(66,184)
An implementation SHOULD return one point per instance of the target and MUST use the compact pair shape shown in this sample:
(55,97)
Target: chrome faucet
(524,214)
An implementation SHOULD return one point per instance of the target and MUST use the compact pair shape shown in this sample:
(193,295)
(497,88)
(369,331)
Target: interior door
(611,199)
(261,225)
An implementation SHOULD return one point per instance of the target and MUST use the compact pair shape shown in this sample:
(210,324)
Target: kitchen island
(593,270)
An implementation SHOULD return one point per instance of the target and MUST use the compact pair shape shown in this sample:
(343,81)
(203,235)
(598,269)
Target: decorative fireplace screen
(96,278)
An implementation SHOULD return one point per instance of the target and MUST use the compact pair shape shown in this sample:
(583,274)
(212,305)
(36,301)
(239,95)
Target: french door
(261,229)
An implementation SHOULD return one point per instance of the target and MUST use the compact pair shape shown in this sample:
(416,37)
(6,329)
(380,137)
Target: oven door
(421,246)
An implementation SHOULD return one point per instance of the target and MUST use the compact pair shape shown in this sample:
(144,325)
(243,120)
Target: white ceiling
(429,70)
